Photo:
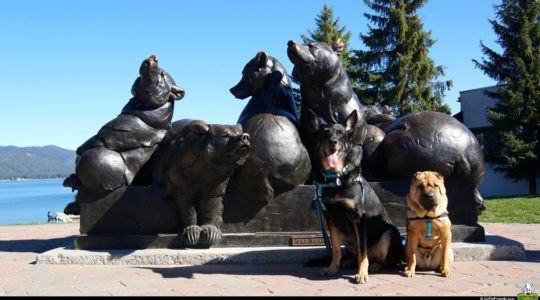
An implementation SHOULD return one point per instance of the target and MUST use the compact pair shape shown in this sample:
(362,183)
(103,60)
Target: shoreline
(71,220)
(31,200)
(30,179)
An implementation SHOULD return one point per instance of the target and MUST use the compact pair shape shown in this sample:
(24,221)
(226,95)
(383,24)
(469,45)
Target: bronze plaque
(307,240)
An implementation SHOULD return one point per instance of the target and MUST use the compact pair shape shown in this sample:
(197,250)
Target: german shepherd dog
(353,212)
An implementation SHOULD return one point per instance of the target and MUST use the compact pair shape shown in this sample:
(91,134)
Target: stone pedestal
(138,217)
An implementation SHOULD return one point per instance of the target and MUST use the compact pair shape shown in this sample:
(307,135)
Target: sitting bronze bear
(112,157)
(278,161)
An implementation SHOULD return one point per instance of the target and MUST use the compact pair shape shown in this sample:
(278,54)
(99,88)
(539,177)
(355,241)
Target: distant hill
(36,162)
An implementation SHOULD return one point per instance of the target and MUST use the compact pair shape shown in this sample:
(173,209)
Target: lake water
(29,200)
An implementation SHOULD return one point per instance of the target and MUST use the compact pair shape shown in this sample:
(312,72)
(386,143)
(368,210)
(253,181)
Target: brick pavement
(20,276)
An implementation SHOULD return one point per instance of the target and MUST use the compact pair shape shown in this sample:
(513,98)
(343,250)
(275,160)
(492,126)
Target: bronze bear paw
(210,235)
(191,235)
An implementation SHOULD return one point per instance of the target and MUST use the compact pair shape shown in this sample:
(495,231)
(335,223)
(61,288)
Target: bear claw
(191,235)
(210,235)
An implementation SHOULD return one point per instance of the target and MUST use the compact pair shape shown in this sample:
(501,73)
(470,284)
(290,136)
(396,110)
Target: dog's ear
(442,189)
(313,120)
(350,123)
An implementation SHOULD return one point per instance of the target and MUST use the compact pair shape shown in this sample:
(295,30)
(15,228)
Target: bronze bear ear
(261,58)
(239,127)
(198,127)
(275,78)
(134,86)
(177,92)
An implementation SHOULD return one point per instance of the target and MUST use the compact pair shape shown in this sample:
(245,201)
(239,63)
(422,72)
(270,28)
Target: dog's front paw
(328,271)
(361,277)
(409,272)
(191,235)
(446,272)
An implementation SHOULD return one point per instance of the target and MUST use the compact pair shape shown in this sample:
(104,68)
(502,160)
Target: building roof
(482,88)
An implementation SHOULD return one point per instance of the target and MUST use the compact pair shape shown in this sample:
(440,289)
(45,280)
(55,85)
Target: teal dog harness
(332,180)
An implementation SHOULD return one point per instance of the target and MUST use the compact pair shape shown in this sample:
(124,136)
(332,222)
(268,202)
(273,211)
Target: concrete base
(495,248)
(460,233)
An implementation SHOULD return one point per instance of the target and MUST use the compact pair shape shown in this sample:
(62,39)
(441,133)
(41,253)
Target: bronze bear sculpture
(112,157)
(326,90)
(395,148)
(196,163)
(420,141)
(278,161)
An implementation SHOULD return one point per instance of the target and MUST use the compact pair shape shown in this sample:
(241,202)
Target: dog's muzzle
(428,200)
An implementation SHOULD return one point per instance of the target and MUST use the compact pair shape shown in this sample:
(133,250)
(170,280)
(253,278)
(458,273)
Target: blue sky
(68,66)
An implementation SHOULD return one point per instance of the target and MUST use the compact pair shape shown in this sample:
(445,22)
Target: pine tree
(396,69)
(329,31)
(516,115)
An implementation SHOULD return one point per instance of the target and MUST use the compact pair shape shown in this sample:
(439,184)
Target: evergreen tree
(516,115)
(396,69)
(329,31)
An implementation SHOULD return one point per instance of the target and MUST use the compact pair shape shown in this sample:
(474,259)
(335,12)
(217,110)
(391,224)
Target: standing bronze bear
(327,91)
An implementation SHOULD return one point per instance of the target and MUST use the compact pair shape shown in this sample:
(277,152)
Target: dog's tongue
(331,158)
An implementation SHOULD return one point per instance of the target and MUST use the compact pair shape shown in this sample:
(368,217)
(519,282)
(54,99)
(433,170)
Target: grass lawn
(520,209)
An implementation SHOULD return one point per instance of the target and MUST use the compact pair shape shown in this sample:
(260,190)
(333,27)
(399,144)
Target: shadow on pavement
(190,271)
(310,273)
(35,245)
(533,255)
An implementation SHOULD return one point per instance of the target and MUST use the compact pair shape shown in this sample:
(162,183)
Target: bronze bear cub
(197,162)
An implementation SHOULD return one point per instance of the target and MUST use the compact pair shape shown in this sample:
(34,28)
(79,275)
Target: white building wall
(473,105)
(496,185)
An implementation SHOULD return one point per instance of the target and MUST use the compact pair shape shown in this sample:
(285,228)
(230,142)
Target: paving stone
(20,276)
(488,279)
